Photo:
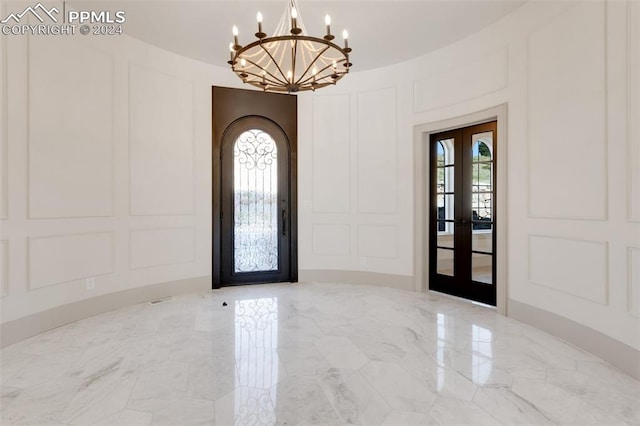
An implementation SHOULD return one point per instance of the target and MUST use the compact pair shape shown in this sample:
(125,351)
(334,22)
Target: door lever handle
(284,222)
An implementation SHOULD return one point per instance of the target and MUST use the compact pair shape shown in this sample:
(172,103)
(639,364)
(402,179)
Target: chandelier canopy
(290,60)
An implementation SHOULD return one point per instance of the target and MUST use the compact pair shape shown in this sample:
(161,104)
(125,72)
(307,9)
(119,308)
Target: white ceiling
(380,32)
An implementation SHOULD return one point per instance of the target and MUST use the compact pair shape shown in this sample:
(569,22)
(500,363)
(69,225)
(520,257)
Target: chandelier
(290,60)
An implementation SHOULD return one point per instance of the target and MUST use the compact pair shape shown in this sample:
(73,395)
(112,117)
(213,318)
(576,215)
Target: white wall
(569,73)
(108,169)
(108,141)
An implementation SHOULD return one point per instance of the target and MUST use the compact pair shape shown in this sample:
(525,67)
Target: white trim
(421,133)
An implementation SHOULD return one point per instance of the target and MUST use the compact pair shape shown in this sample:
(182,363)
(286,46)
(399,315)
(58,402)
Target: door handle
(461,221)
(284,222)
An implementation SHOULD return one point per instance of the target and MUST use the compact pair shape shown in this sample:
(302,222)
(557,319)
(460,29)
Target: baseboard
(609,349)
(14,331)
(403,282)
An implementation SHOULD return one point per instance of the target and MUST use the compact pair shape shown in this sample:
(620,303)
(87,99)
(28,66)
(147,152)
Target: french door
(462,212)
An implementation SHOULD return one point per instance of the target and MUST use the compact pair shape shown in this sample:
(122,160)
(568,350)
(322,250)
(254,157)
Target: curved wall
(106,164)
(568,73)
(106,183)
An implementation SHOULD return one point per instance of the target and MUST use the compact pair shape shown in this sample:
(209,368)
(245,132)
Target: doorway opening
(462,213)
(422,196)
(254,187)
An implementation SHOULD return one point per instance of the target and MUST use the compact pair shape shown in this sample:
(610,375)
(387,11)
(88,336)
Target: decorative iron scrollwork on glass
(255,202)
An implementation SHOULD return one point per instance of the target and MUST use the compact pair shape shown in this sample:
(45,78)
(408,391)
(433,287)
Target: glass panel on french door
(482,208)
(255,175)
(482,268)
(445,262)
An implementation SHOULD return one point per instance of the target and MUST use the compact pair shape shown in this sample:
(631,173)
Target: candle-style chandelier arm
(275,78)
(273,60)
(306,71)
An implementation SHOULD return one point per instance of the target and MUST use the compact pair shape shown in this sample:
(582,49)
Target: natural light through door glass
(255,176)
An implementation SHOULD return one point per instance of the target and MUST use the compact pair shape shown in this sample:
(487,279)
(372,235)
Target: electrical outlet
(90,283)
(363,260)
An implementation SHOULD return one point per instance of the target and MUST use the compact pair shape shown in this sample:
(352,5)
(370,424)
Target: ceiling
(380,32)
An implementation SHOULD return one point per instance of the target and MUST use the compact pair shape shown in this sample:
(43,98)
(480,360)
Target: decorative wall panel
(633,55)
(59,259)
(469,80)
(377,156)
(579,268)
(161,143)
(633,275)
(331,240)
(4,268)
(378,241)
(331,154)
(566,102)
(161,247)
(71,136)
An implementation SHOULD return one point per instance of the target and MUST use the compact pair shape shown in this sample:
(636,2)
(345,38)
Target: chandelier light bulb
(235,36)
(314,71)
(231,49)
(327,22)
(243,62)
(289,75)
(345,36)
(231,52)
(294,17)
(259,18)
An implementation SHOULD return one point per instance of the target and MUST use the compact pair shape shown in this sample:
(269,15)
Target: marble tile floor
(308,353)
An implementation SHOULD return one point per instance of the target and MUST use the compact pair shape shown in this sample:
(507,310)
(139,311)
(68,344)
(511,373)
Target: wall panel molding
(71,109)
(331,239)
(566,103)
(633,280)
(58,259)
(5,265)
(379,241)
(161,143)
(579,268)
(470,80)
(633,111)
(155,247)
(377,151)
(4,113)
(331,145)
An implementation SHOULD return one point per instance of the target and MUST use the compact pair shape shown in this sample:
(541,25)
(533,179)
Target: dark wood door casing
(228,106)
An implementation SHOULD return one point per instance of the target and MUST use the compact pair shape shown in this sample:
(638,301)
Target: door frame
(421,152)
(238,103)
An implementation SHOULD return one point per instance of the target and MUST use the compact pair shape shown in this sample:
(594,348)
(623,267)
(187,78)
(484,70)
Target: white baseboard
(609,349)
(14,331)
(402,282)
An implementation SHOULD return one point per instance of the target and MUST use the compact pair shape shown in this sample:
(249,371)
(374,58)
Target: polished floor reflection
(308,354)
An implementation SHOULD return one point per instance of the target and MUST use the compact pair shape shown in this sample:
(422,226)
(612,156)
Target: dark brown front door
(254,187)
(462,214)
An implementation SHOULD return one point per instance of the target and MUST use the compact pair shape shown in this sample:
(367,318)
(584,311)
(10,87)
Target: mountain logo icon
(39,11)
